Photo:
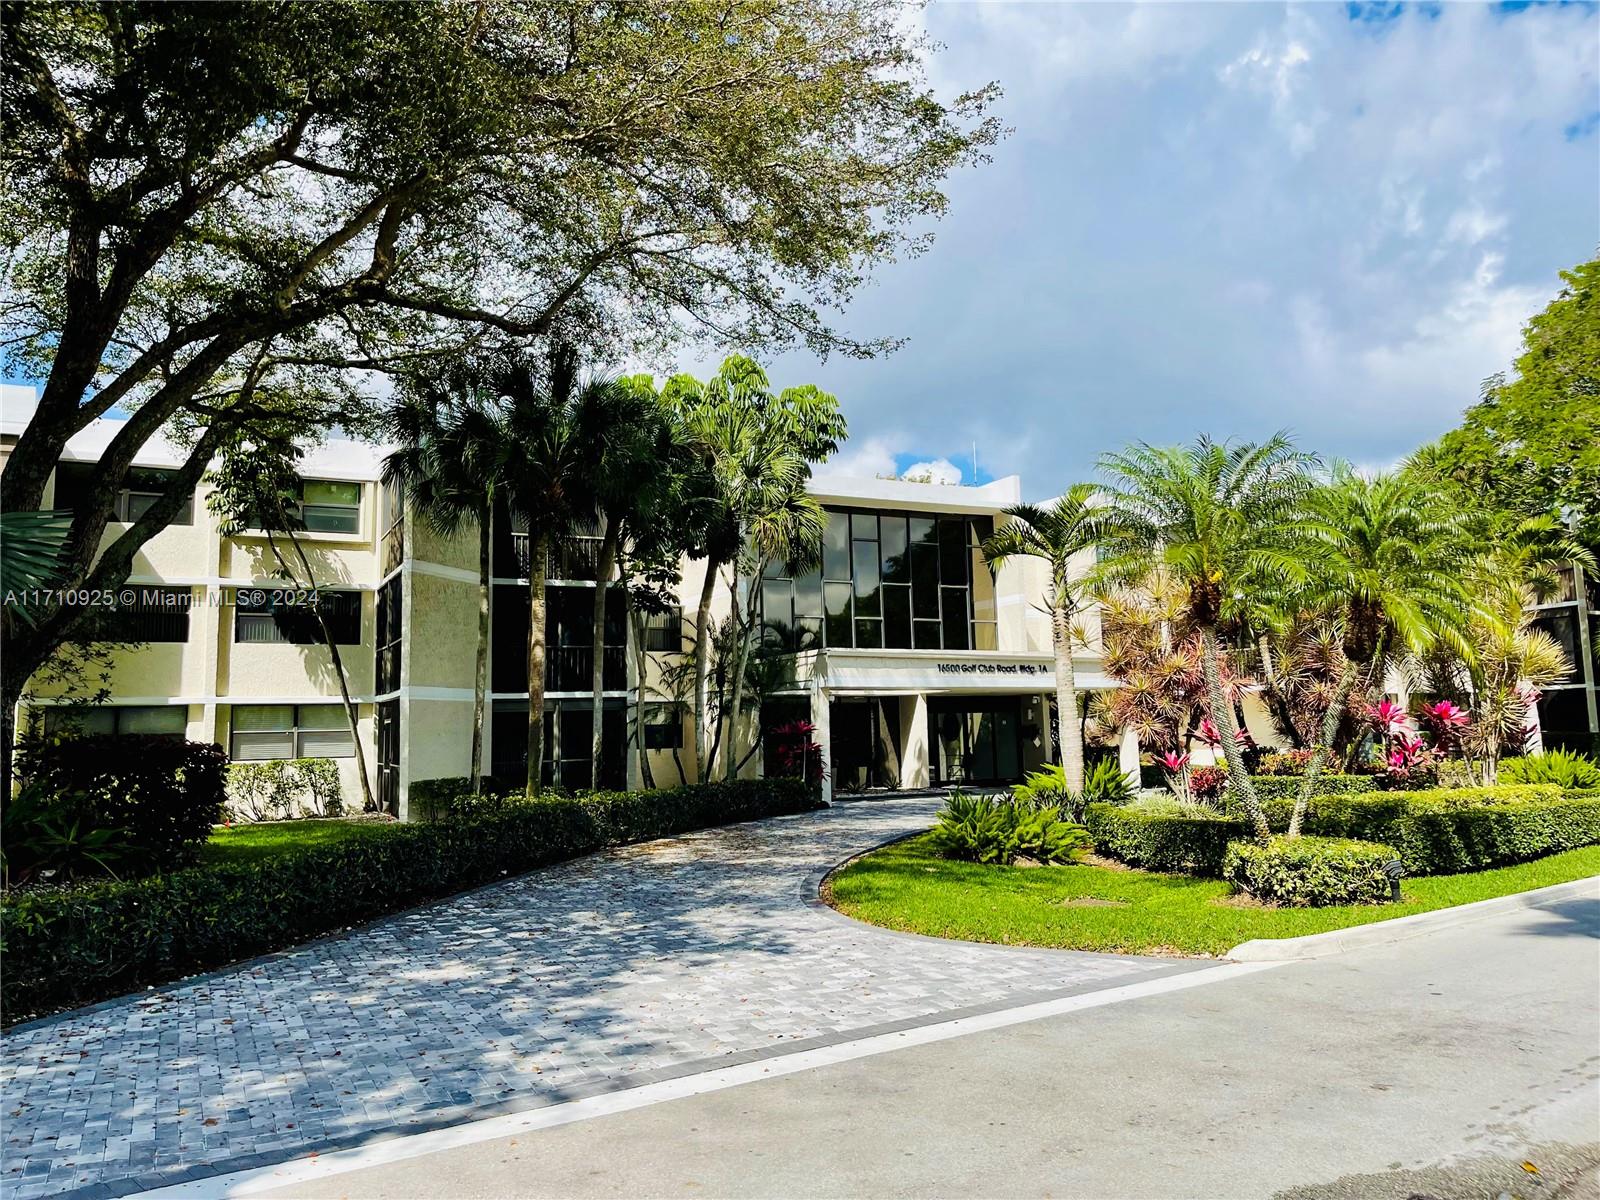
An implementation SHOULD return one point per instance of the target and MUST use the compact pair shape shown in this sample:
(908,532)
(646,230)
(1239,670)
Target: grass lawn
(1084,907)
(253,842)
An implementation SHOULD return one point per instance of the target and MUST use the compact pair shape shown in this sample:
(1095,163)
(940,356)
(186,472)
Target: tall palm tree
(1057,533)
(1385,568)
(448,434)
(755,447)
(549,461)
(1220,520)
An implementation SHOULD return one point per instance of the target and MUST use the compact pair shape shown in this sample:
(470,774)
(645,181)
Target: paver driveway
(619,969)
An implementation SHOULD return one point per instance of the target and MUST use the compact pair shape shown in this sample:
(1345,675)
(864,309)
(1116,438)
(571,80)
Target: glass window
(897,617)
(260,617)
(925,581)
(953,552)
(837,598)
(869,634)
(164,720)
(926,635)
(836,547)
(955,618)
(272,731)
(331,506)
(142,487)
(664,631)
(896,558)
(808,594)
(663,727)
(866,579)
(864,526)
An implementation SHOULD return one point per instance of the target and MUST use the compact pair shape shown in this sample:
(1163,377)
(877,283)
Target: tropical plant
(984,829)
(1044,788)
(51,835)
(759,449)
(1564,768)
(447,430)
(1218,520)
(1058,534)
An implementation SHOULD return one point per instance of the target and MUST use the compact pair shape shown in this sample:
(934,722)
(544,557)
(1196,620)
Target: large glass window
(330,506)
(263,615)
(268,731)
(889,580)
(166,720)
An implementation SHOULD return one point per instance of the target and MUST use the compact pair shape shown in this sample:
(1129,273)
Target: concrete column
(1128,756)
(914,739)
(823,734)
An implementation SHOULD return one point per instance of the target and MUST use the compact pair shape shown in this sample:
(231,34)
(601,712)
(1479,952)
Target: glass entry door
(976,740)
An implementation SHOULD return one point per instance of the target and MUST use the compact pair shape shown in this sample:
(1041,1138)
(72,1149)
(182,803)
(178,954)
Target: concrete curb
(1380,933)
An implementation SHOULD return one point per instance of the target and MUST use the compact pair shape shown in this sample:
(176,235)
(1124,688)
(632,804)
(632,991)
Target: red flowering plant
(1176,766)
(1447,724)
(1206,784)
(797,756)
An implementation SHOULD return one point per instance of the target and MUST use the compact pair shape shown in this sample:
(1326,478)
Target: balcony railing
(566,668)
(575,559)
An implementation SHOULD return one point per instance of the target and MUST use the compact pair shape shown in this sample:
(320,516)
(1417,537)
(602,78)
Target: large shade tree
(1057,534)
(359,185)
(1219,520)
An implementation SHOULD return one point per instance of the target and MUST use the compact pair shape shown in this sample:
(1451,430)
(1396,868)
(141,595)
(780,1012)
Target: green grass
(906,886)
(254,842)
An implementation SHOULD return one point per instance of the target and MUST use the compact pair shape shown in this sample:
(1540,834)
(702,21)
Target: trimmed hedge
(68,947)
(1161,842)
(1310,871)
(1273,787)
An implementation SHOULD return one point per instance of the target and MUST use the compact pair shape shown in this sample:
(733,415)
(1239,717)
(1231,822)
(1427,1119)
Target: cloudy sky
(1229,218)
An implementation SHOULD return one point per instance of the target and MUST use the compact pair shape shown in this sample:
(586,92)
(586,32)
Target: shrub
(46,836)
(1160,840)
(1106,782)
(1044,788)
(1271,787)
(282,789)
(1286,762)
(1568,771)
(164,794)
(1310,871)
(985,830)
(319,784)
(65,947)
(1206,784)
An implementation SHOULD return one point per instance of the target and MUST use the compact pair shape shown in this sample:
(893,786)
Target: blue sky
(1229,218)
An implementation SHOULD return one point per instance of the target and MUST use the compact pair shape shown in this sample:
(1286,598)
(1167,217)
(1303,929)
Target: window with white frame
(163,720)
(268,731)
(330,506)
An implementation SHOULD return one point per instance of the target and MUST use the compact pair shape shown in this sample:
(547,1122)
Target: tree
(1218,520)
(258,487)
(1059,533)
(1531,445)
(357,186)
(758,450)
(448,433)
(1385,566)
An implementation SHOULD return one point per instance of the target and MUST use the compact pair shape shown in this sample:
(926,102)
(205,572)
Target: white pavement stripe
(399,1149)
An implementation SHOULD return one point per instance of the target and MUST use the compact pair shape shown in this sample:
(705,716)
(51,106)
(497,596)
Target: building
(916,665)
(1569,712)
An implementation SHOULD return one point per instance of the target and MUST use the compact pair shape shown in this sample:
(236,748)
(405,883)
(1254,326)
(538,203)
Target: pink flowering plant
(1176,765)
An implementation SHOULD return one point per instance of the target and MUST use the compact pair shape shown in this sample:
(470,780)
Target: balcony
(566,668)
(578,559)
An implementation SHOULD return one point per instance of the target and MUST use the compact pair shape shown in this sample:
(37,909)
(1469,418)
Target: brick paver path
(624,968)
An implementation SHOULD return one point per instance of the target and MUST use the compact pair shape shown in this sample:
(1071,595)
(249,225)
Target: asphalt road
(1465,1063)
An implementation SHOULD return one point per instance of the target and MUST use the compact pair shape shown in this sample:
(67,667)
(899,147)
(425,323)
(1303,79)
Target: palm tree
(757,449)
(549,462)
(1387,549)
(448,435)
(1219,520)
(1057,534)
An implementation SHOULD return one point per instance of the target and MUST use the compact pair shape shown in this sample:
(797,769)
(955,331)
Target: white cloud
(939,470)
(863,458)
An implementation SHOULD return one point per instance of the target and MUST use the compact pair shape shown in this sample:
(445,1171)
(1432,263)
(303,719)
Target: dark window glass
(896,561)
(388,637)
(259,618)
(864,527)
(897,617)
(121,720)
(955,618)
(330,506)
(869,634)
(836,547)
(837,598)
(953,552)
(926,634)
(663,727)
(1564,710)
(142,487)
(866,579)
(1562,625)
(664,631)
(808,594)
(925,581)
(924,531)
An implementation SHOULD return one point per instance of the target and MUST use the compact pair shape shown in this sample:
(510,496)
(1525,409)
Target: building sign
(991,668)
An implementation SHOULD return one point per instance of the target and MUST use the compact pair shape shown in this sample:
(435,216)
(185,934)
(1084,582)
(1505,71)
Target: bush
(1309,871)
(1272,787)
(1159,840)
(1285,762)
(983,830)
(1105,782)
(163,794)
(282,789)
(72,946)
(1568,771)
(1206,784)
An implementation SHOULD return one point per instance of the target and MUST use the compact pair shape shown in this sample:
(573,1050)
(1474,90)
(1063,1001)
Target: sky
(1230,219)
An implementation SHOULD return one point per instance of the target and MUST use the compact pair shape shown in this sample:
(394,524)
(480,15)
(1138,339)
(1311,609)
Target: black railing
(570,668)
(575,559)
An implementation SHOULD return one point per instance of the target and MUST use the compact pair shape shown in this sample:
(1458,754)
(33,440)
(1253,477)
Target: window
(391,600)
(162,720)
(267,615)
(267,731)
(663,727)
(664,631)
(330,506)
(156,615)
(142,487)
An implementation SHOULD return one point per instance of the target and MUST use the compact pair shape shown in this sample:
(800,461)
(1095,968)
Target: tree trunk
(368,802)
(1222,716)
(597,643)
(741,653)
(9,698)
(638,757)
(702,671)
(1068,730)
(1319,757)
(480,687)
(538,567)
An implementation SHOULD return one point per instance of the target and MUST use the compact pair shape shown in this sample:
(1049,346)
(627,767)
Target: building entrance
(974,740)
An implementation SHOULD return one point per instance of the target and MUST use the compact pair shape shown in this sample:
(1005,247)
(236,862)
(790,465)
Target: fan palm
(448,433)
(1220,520)
(1057,533)
(33,553)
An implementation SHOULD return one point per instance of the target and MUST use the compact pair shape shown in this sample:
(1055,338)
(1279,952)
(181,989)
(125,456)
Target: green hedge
(1159,842)
(1310,871)
(1272,787)
(68,947)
